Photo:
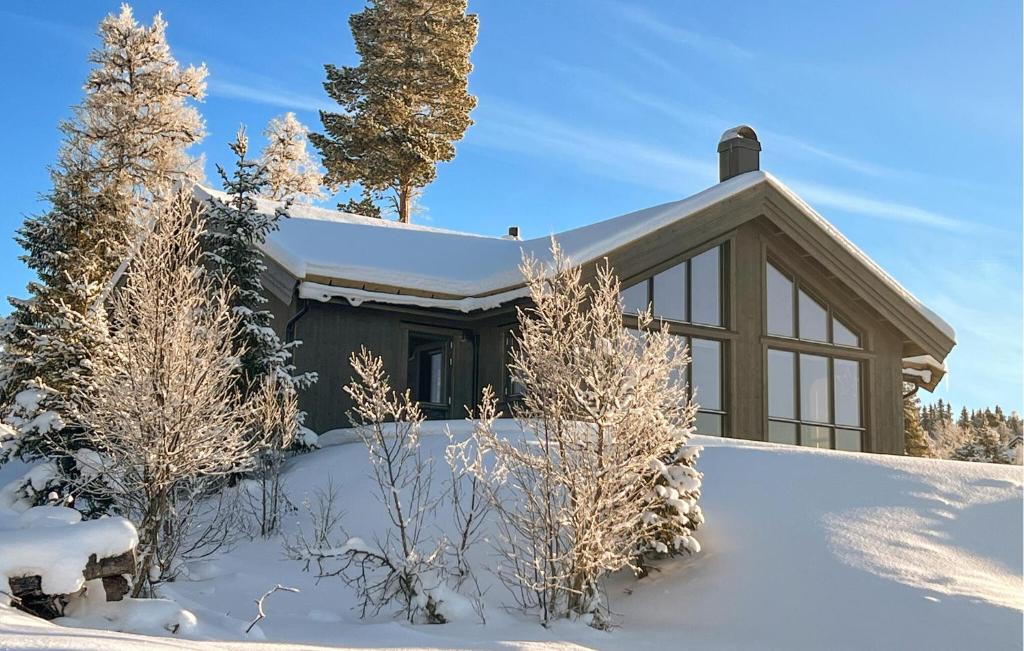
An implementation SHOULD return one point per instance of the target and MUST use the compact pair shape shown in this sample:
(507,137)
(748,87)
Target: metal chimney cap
(743,131)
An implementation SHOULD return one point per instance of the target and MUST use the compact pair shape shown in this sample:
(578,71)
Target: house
(796,335)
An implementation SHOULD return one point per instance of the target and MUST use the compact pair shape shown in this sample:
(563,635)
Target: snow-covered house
(796,335)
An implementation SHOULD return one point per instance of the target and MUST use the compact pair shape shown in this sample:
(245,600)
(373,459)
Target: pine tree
(291,173)
(235,229)
(982,445)
(364,206)
(915,440)
(123,147)
(405,104)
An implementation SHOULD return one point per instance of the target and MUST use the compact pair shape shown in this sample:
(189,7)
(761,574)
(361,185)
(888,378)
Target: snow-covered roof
(447,267)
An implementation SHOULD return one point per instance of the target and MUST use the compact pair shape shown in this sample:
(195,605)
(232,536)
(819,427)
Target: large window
(814,400)
(706,385)
(689,292)
(704,382)
(794,313)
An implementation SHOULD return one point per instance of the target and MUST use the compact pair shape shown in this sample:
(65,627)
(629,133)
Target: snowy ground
(803,549)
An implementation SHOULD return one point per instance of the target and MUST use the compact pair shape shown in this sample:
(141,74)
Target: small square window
(815,436)
(780,432)
(635,299)
(708,424)
(849,440)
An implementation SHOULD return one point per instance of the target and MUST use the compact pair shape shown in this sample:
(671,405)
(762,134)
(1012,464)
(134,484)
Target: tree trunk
(405,204)
(149,540)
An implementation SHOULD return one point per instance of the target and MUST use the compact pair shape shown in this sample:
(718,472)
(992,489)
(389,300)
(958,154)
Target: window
(704,382)
(842,335)
(813,318)
(428,372)
(794,313)
(814,400)
(513,387)
(780,304)
(706,288)
(706,385)
(689,292)
(435,364)
(670,293)
(635,299)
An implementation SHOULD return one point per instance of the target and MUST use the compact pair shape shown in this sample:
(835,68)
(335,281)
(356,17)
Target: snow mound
(802,549)
(50,542)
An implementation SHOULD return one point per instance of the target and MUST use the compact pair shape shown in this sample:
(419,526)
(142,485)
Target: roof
(363,259)
(333,245)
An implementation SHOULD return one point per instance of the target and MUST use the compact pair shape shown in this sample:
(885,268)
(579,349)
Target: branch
(259,603)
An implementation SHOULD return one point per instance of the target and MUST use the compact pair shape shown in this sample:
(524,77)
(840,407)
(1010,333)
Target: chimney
(738,152)
(513,232)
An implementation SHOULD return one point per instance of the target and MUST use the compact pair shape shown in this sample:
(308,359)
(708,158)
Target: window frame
(831,314)
(723,385)
(724,285)
(798,419)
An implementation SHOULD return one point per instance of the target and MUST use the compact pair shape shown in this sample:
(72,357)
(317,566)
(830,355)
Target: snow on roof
(319,242)
(324,243)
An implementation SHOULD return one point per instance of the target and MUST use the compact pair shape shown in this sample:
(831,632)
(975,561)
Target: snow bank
(802,549)
(144,616)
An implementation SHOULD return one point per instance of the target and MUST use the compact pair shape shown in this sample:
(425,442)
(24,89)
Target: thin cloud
(713,46)
(507,127)
(831,197)
(678,113)
(266,93)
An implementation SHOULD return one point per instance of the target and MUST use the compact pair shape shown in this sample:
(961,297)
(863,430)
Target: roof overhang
(923,371)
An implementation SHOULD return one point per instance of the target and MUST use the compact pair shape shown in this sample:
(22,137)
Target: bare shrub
(277,414)
(602,474)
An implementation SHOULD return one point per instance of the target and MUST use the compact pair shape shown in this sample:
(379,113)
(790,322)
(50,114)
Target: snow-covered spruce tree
(603,473)
(405,104)
(915,440)
(124,145)
(235,228)
(291,173)
(164,412)
(982,445)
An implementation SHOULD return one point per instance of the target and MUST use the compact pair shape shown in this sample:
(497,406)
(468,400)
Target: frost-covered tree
(291,173)
(982,444)
(124,146)
(235,229)
(164,411)
(915,440)
(603,474)
(405,104)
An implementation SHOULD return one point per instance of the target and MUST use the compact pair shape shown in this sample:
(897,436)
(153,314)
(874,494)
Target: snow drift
(802,549)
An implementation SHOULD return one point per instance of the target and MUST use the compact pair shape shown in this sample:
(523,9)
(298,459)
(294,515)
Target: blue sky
(900,122)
